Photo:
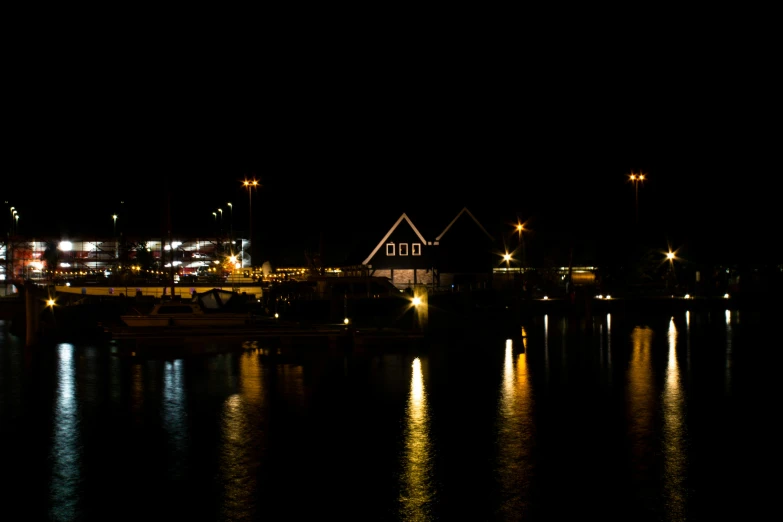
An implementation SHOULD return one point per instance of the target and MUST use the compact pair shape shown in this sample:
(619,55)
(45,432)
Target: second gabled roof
(389,233)
(464,211)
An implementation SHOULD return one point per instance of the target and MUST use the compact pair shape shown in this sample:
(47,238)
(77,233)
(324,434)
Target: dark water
(647,418)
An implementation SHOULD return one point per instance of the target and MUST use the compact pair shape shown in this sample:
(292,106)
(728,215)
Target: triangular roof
(464,211)
(389,233)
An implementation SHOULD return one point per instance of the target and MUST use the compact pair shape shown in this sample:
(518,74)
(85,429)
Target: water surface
(644,418)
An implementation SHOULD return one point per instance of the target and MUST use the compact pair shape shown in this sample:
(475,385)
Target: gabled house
(464,254)
(461,255)
(403,255)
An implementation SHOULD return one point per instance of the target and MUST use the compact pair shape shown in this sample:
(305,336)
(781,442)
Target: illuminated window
(403,249)
(390,249)
(416,249)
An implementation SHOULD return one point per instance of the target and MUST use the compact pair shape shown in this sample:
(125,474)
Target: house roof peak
(470,214)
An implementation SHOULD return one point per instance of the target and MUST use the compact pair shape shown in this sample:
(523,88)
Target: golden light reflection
(609,345)
(242,440)
(688,341)
(674,452)
(238,469)
(524,339)
(546,346)
(250,378)
(641,404)
(516,437)
(417,490)
(66,452)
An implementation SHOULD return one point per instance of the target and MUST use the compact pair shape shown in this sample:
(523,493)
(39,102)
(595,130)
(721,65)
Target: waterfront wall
(184,292)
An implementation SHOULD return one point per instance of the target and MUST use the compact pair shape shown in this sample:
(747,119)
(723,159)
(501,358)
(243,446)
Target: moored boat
(173,314)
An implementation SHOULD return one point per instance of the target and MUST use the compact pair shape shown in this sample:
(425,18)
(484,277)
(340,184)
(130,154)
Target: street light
(114,217)
(231,221)
(221,219)
(250,185)
(520,229)
(671,256)
(636,179)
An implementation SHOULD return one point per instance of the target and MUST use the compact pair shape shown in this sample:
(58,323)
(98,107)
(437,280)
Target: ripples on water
(645,419)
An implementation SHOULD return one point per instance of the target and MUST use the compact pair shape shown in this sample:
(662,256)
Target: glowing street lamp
(231,221)
(250,185)
(114,217)
(520,229)
(507,259)
(670,257)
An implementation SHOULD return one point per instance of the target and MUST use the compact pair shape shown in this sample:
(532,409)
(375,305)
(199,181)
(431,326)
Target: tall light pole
(114,236)
(250,185)
(520,229)
(636,179)
(221,220)
(671,257)
(231,222)
(12,210)
(16,222)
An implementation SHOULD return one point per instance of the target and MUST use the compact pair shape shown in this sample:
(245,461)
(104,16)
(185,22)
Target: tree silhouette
(144,258)
(51,257)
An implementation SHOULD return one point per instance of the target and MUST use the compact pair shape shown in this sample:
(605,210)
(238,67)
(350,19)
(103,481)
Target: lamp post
(520,229)
(16,222)
(12,210)
(116,243)
(250,185)
(670,256)
(231,221)
(221,220)
(636,179)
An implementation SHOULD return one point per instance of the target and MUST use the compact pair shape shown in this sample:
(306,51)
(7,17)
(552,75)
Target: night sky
(341,153)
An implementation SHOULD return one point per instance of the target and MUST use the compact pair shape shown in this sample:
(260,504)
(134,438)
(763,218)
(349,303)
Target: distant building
(23,258)
(403,255)
(461,254)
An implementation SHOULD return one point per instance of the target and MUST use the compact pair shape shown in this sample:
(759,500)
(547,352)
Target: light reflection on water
(641,403)
(674,436)
(416,489)
(66,450)
(546,347)
(175,417)
(516,436)
(661,411)
(242,441)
